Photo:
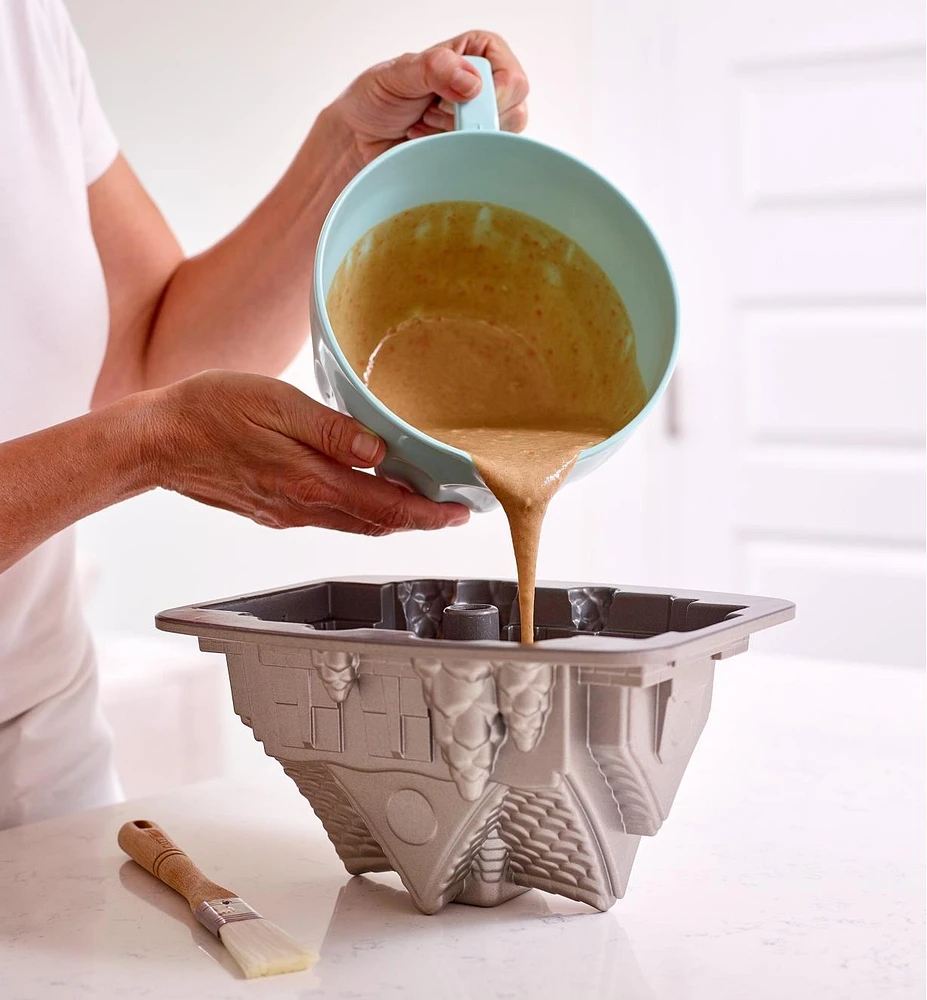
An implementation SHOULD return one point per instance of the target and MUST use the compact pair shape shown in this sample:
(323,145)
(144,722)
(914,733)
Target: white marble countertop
(790,866)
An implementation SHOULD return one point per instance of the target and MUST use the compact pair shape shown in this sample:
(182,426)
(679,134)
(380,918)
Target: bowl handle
(481,114)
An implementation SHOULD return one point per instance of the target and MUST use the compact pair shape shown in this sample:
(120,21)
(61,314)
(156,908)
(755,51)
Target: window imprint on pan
(306,716)
(395,717)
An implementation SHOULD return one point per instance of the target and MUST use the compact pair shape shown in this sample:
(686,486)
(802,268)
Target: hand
(259,447)
(412,96)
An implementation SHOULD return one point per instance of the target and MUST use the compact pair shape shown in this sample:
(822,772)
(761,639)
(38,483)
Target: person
(126,367)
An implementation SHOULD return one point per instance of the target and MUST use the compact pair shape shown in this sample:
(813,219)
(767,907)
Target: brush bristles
(263,949)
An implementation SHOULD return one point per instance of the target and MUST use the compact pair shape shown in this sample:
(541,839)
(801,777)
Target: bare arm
(245,443)
(53,478)
(248,296)
(242,305)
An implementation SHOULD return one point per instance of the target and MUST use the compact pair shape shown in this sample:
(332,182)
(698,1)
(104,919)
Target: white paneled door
(792,204)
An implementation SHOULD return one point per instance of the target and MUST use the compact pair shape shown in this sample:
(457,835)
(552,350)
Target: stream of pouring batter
(491,331)
(523,467)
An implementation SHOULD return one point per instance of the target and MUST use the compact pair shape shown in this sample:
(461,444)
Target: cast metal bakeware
(479,769)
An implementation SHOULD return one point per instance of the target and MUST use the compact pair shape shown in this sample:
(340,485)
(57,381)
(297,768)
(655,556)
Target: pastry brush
(258,946)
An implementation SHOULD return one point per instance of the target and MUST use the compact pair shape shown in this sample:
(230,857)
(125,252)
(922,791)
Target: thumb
(332,433)
(436,71)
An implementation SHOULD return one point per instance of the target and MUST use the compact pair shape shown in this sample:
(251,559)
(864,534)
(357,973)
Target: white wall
(209,102)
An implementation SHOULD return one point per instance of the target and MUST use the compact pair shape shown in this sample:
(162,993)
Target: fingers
(318,490)
(439,119)
(443,71)
(511,89)
(325,430)
(509,78)
(325,486)
(388,506)
(515,119)
(419,131)
(259,447)
(287,517)
(337,520)
(331,496)
(439,70)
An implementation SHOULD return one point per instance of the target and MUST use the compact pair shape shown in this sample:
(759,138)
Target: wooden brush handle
(149,846)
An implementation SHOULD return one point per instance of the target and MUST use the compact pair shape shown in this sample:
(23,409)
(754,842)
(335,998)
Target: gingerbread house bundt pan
(480,769)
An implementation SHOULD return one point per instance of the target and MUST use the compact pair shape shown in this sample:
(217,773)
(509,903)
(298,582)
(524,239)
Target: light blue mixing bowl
(477,162)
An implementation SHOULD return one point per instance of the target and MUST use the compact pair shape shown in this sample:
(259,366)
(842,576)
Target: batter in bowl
(495,333)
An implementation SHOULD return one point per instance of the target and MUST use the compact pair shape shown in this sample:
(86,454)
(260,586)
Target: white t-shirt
(54,142)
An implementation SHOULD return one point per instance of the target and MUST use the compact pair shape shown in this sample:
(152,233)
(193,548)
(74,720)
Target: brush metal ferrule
(216,913)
